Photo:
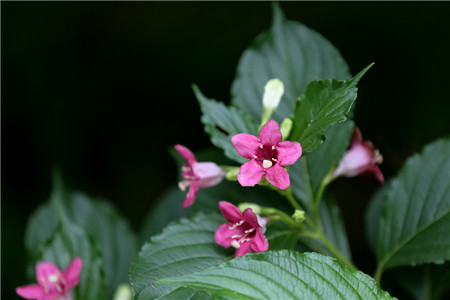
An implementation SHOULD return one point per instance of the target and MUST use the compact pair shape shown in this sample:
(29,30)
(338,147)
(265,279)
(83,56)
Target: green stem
(378,273)
(283,216)
(316,204)
(291,199)
(336,252)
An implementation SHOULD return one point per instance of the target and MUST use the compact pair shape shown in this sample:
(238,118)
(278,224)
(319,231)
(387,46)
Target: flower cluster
(52,283)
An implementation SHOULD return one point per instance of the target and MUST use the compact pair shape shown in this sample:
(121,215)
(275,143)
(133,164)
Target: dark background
(103,89)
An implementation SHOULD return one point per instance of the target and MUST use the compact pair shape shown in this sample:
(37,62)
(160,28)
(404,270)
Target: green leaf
(282,275)
(113,235)
(68,242)
(291,52)
(308,173)
(222,122)
(333,225)
(324,103)
(181,248)
(424,282)
(415,225)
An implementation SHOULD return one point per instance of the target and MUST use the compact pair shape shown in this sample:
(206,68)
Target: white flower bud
(273,90)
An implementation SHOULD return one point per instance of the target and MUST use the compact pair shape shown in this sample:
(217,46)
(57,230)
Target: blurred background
(103,90)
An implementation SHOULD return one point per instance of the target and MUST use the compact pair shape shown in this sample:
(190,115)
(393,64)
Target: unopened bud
(123,292)
(286,127)
(232,174)
(299,216)
(255,207)
(273,91)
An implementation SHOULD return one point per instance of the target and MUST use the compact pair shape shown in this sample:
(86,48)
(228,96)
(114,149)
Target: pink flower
(197,175)
(245,232)
(361,158)
(268,156)
(53,284)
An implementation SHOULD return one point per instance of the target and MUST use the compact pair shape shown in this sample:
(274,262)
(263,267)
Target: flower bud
(299,216)
(232,173)
(273,91)
(255,207)
(123,292)
(286,127)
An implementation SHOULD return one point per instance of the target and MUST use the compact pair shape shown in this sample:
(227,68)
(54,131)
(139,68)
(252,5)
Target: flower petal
(355,161)
(186,153)
(377,172)
(43,270)
(270,133)
(244,248)
(223,235)
(356,137)
(288,152)
(30,291)
(250,217)
(209,174)
(259,242)
(250,173)
(245,144)
(72,272)
(230,212)
(278,176)
(191,195)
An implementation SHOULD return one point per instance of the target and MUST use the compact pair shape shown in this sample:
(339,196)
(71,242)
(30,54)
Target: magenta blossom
(197,175)
(361,158)
(53,284)
(268,154)
(245,232)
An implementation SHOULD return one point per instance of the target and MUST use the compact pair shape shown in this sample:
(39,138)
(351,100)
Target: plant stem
(378,273)
(336,252)
(316,204)
(291,199)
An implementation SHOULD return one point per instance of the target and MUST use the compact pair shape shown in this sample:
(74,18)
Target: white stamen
(250,230)
(235,244)
(182,185)
(267,164)
(274,159)
(261,146)
(245,240)
(255,157)
(53,278)
(273,147)
(236,236)
(236,225)
(185,169)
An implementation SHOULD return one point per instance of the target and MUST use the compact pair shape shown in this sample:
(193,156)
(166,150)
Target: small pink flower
(53,284)
(245,232)
(268,156)
(197,175)
(361,158)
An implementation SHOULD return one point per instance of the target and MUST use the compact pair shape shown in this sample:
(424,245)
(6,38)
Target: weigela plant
(265,224)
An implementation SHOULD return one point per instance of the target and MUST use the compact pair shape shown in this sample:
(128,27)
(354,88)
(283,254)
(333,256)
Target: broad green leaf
(415,225)
(428,282)
(281,236)
(181,248)
(70,240)
(282,275)
(308,173)
(113,235)
(222,122)
(291,52)
(373,215)
(333,225)
(324,103)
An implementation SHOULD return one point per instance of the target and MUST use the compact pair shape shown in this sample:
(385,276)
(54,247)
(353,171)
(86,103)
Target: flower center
(266,155)
(244,233)
(54,282)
